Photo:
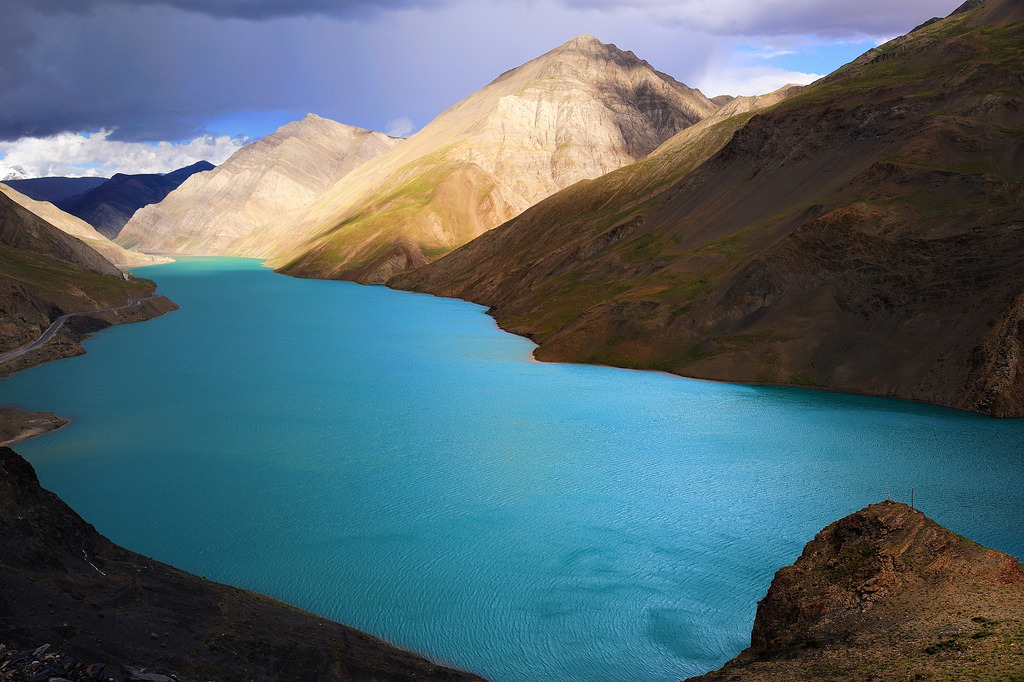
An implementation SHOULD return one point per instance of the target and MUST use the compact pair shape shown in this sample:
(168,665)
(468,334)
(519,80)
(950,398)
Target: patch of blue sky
(253,124)
(809,54)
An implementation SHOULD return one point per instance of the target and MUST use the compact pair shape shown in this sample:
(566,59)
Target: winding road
(52,329)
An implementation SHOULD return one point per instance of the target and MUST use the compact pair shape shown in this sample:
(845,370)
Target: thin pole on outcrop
(911,497)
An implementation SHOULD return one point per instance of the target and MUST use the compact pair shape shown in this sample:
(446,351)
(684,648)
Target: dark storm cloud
(161,69)
(153,69)
(241,9)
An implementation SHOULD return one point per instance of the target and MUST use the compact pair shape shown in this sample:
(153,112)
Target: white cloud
(750,80)
(400,127)
(94,154)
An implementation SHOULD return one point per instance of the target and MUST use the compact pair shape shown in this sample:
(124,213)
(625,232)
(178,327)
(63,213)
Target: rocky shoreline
(46,664)
(883,593)
(17,425)
(67,342)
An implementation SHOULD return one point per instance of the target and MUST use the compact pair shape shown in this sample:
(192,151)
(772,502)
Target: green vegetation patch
(55,280)
(843,567)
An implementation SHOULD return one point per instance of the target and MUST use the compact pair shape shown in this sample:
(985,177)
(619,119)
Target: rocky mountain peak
(590,49)
(215,212)
(586,44)
(310,122)
(577,112)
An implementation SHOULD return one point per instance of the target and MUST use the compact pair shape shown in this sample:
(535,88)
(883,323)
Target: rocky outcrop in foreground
(887,593)
(64,584)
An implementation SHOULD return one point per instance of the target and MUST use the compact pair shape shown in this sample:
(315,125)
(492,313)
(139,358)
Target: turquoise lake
(395,462)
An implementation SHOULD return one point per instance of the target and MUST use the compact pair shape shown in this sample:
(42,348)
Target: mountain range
(110,205)
(237,208)
(53,189)
(862,235)
(574,113)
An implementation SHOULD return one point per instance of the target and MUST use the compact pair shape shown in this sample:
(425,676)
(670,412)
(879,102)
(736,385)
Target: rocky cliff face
(109,206)
(236,208)
(887,593)
(67,585)
(575,113)
(862,235)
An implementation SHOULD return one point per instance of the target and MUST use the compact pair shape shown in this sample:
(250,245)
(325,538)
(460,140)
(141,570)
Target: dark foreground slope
(864,235)
(887,593)
(64,584)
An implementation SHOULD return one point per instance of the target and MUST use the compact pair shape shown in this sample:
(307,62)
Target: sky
(94,87)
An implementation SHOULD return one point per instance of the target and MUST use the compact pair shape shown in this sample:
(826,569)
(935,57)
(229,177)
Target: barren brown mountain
(864,235)
(80,230)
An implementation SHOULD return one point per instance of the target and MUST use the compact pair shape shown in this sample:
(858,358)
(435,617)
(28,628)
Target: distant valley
(240,208)
(110,205)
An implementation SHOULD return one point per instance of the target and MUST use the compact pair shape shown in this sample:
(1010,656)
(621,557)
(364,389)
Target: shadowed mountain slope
(887,593)
(863,235)
(237,208)
(81,230)
(577,112)
(109,206)
(54,189)
(67,585)
(45,273)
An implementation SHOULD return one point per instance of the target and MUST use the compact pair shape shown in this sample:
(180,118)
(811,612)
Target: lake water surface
(395,462)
